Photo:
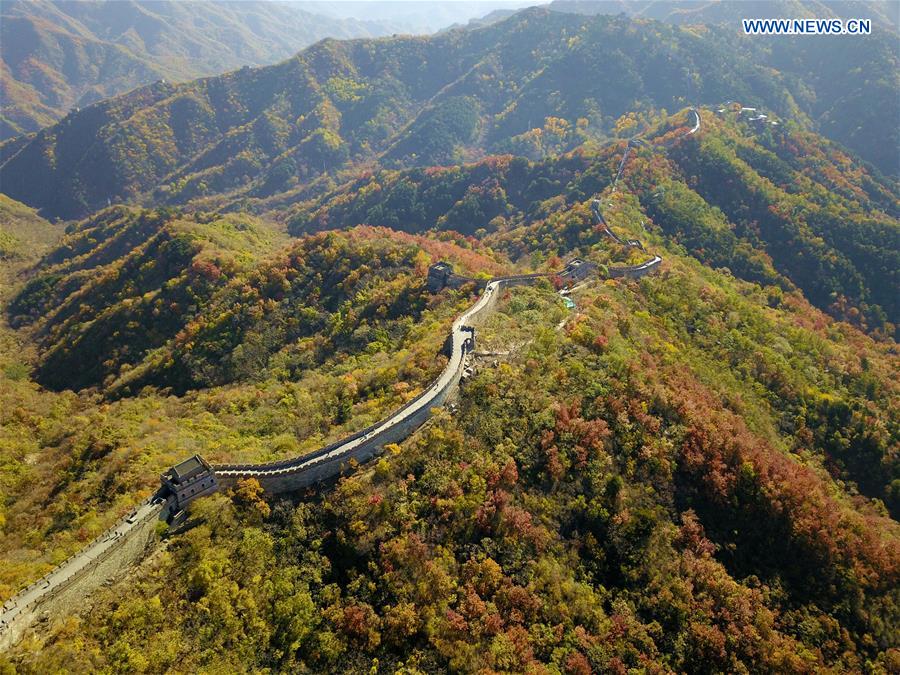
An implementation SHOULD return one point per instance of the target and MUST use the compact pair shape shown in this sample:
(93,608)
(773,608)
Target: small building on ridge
(188,480)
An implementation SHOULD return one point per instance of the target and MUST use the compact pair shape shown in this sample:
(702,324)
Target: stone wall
(60,594)
(635,271)
(101,561)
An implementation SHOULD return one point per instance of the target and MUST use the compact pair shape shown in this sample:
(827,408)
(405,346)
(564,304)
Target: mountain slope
(60,54)
(301,358)
(23,233)
(847,86)
(668,478)
(537,83)
(131,298)
(774,205)
(146,269)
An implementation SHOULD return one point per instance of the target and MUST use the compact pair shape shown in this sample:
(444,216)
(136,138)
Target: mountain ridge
(256,132)
(784,219)
(696,469)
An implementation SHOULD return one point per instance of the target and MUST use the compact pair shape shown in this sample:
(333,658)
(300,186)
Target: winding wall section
(633,271)
(292,474)
(60,590)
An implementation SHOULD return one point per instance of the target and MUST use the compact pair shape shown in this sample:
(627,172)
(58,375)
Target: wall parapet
(635,271)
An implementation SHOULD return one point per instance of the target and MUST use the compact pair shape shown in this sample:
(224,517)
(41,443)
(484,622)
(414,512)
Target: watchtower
(469,342)
(188,480)
(439,275)
(577,269)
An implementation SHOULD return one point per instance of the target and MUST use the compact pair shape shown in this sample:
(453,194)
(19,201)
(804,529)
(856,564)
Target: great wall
(126,543)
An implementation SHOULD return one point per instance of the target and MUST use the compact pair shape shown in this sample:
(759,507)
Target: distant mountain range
(60,54)
(534,84)
(855,79)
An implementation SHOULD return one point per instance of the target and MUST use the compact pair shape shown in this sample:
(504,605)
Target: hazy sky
(418,15)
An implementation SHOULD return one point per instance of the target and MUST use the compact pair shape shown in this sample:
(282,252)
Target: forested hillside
(534,85)
(699,467)
(134,297)
(320,344)
(24,234)
(60,54)
(854,80)
(145,270)
(693,470)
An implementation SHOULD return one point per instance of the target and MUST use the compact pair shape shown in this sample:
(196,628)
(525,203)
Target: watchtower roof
(189,468)
(575,263)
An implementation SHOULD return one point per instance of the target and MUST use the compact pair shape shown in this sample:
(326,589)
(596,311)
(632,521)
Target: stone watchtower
(577,269)
(439,276)
(188,480)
